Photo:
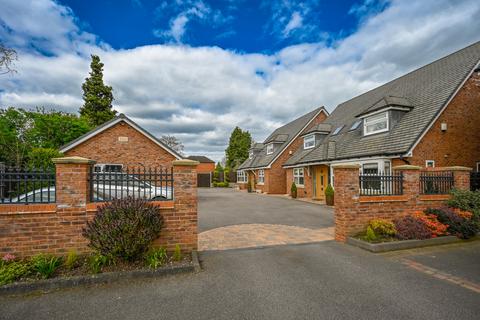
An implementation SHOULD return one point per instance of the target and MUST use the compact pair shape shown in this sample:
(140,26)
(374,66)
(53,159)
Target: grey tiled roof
(201,159)
(427,89)
(281,137)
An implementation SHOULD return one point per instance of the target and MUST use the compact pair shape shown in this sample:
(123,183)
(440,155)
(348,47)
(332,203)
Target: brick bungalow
(205,170)
(429,117)
(263,169)
(120,143)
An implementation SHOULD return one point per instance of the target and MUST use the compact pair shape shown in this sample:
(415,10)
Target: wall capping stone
(457,168)
(185,162)
(73,160)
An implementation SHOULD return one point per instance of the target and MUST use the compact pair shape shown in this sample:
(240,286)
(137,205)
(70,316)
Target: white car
(43,195)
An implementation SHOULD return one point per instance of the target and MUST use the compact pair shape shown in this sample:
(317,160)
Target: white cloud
(200,94)
(296,21)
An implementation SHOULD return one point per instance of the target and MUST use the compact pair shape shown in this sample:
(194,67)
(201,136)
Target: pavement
(321,280)
(230,219)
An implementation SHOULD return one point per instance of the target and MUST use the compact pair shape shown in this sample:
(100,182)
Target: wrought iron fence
(475,181)
(381,184)
(155,184)
(23,185)
(436,182)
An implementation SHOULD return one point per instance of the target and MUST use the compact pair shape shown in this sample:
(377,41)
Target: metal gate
(475,181)
(204,179)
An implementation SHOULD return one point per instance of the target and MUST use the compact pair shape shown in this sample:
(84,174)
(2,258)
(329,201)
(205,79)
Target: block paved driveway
(230,219)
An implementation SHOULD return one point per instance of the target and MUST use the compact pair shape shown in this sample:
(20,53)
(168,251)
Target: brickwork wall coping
(185,162)
(73,160)
(407,167)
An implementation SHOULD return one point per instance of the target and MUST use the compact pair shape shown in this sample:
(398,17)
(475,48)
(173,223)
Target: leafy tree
(41,158)
(15,125)
(173,143)
(97,96)
(7,56)
(218,173)
(237,150)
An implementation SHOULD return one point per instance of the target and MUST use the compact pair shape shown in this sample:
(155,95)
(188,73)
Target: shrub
(293,190)
(7,258)
(13,270)
(156,257)
(177,254)
(370,235)
(45,265)
(71,260)
(467,201)
(221,184)
(96,262)
(460,223)
(409,227)
(329,190)
(436,227)
(124,228)
(382,228)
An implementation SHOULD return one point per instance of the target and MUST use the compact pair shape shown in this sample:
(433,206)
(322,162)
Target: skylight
(337,130)
(356,124)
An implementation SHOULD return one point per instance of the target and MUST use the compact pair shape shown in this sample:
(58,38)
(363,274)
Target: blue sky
(245,26)
(197,68)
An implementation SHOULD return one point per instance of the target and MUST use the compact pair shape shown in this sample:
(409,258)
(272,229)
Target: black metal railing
(381,184)
(155,184)
(22,185)
(475,181)
(436,182)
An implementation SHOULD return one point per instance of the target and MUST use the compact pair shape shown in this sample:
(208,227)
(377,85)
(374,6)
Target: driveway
(325,280)
(230,219)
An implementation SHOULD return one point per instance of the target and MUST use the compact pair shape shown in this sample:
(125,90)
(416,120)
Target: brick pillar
(185,219)
(347,191)
(72,187)
(461,176)
(411,185)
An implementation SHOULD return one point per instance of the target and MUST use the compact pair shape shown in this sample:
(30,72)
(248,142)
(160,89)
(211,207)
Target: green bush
(156,257)
(96,262)
(383,228)
(9,272)
(370,235)
(177,254)
(124,228)
(221,184)
(467,201)
(71,260)
(329,190)
(45,265)
(293,190)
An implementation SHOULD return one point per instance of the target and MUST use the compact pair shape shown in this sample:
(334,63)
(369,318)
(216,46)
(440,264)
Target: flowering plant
(8,258)
(463,213)
(436,227)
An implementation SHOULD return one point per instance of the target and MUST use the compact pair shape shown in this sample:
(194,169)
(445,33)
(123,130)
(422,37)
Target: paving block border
(101,278)
(400,245)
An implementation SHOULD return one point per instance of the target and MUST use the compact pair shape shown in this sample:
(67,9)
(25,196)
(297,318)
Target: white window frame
(309,141)
(429,161)
(241,176)
(269,148)
(261,176)
(375,119)
(250,155)
(298,173)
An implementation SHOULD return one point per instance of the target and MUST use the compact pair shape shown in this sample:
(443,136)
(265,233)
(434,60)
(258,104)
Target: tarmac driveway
(230,219)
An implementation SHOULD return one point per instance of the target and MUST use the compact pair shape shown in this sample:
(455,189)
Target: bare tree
(173,143)
(7,57)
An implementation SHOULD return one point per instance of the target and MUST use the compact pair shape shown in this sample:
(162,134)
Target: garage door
(203,180)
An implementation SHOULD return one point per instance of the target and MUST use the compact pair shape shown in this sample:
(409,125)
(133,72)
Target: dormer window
(250,155)
(270,148)
(309,141)
(375,124)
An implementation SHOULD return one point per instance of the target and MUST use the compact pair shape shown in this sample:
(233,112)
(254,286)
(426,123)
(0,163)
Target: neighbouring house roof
(120,118)
(423,93)
(201,159)
(281,137)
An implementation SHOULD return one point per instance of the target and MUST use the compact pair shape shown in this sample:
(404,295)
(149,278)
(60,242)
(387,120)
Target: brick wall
(353,212)
(139,150)
(460,144)
(206,167)
(26,230)
(302,192)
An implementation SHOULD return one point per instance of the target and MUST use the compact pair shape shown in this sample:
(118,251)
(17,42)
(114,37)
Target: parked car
(42,195)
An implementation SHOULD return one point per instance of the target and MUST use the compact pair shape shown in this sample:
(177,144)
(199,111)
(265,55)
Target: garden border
(70,282)
(401,244)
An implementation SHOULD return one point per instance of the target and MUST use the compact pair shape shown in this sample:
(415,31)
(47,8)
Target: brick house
(205,170)
(264,167)
(429,117)
(120,143)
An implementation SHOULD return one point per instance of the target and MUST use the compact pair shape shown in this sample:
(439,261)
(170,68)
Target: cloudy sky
(197,68)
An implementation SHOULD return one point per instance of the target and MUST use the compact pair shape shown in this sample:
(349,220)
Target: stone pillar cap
(407,167)
(73,160)
(346,166)
(186,162)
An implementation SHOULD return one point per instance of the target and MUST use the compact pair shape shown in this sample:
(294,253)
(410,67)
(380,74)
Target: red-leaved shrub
(409,228)
(436,227)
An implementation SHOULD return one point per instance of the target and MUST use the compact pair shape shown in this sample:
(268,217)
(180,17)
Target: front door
(321,182)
